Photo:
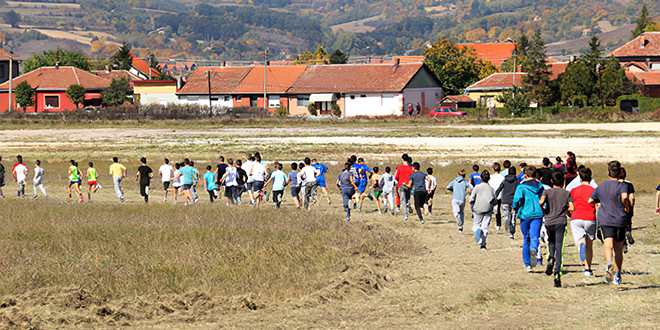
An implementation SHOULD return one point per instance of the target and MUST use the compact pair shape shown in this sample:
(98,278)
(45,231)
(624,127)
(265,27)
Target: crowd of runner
(542,199)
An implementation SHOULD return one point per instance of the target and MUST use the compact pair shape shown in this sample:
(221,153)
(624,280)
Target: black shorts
(295,191)
(166,185)
(257,186)
(618,233)
(230,191)
(430,195)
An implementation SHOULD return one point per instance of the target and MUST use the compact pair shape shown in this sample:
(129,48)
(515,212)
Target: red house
(50,84)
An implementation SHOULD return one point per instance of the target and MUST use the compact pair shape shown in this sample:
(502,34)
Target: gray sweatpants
(482,220)
(41,186)
(509,216)
(458,208)
(309,186)
(404,198)
(388,199)
(117,181)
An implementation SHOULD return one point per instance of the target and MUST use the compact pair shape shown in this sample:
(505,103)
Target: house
(142,69)
(557,69)
(649,81)
(279,79)
(458,101)
(50,85)
(494,85)
(643,49)
(495,52)
(185,66)
(4,66)
(148,92)
(222,82)
(117,74)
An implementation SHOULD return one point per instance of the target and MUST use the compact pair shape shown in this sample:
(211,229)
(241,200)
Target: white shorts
(582,228)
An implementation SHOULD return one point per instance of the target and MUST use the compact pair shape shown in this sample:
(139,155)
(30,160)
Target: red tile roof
(496,53)
(278,80)
(223,81)
(647,44)
(409,59)
(117,74)
(355,78)
(4,56)
(457,98)
(143,66)
(628,65)
(557,69)
(648,78)
(51,78)
(497,81)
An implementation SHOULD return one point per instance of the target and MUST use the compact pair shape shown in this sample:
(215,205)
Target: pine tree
(122,59)
(614,82)
(642,22)
(577,81)
(536,82)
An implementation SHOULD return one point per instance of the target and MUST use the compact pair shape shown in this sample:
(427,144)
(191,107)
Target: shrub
(645,104)
(312,109)
(336,110)
(281,111)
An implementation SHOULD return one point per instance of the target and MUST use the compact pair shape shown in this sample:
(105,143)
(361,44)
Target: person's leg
(550,255)
(420,198)
(506,216)
(497,210)
(403,201)
(618,255)
(327,195)
(390,198)
(588,247)
(525,229)
(377,195)
(211,195)
(485,223)
(34,186)
(560,242)
(534,233)
(43,189)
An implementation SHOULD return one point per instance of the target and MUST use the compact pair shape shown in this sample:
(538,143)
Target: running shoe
(359,208)
(405,217)
(392,212)
(528,268)
(460,229)
(629,238)
(582,252)
(617,278)
(348,219)
(557,281)
(549,268)
(511,236)
(483,247)
(625,247)
(497,227)
(421,221)
(477,235)
(609,273)
(532,258)
(370,198)
(506,225)
(588,272)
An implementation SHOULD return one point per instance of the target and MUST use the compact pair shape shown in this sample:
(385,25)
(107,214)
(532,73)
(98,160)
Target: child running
(20,175)
(38,180)
(92,181)
(417,182)
(230,180)
(176,183)
(320,180)
(280,180)
(507,190)
(482,200)
(526,203)
(378,189)
(143,176)
(166,171)
(347,186)
(402,177)
(294,184)
(118,172)
(74,179)
(209,183)
(583,220)
(558,202)
(431,185)
(459,187)
(387,183)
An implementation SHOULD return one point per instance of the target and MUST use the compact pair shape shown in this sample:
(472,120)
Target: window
(227,98)
(352,97)
(303,101)
(239,99)
(363,95)
(52,101)
(2,71)
(273,101)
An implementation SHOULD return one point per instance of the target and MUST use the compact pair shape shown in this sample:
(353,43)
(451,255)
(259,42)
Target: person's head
(314,161)
(429,170)
(347,166)
(614,169)
(166,161)
(538,174)
(558,178)
(143,160)
(38,163)
(301,165)
(485,176)
(570,154)
(239,162)
(388,169)
(522,166)
(221,159)
(529,171)
(546,161)
(308,161)
(496,167)
(251,158)
(559,160)
(294,166)
(461,173)
(279,166)
(177,166)
(512,170)
(353,159)
(230,161)
(622,174)
(72,162)
(585,174)
(376,169)
(115,159)
(186,161)
(415,166)
(0,157)
(404,158)
(360,160)
(19,159)
(257,157)
(192,163)
(475,168)
(506,164)
(208,168)
(91,164)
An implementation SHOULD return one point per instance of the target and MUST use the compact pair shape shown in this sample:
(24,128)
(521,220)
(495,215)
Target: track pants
(404,197)
(509,215)
(531,229)
(458,208)
(556,242)
(346,195)
(420,199)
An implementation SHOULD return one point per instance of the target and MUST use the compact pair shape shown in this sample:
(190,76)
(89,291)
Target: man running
(280,180)
(220,172)
(308,174)
(320,180)
(20,171)
(417,182)
(188,175)
(431,185)
(2,177)
(459,187)
(143,176)
(92,181)
(38,180)
(229,179)
(258,175)
(74,179)
(118,172)
(496,180)
(402,177)
(166,171)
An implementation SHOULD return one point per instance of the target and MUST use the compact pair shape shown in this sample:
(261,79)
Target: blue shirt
(187,173)
(210,181)
(362,173)
(322,169)
(475,179)
(279,179)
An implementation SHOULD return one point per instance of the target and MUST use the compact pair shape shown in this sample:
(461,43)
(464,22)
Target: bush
(336,110)
(281,111)
(312,109)
(645,104)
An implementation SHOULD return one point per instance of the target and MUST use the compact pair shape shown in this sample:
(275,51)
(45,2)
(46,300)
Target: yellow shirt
(117,170)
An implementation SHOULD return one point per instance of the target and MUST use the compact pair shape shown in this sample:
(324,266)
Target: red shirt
(402,175)
(583,209)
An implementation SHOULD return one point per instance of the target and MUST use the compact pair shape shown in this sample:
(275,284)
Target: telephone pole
(265,74)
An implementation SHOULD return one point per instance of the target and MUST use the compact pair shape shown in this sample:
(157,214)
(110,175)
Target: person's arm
(137,176)
(631,199)
(125,171)
(517,199)
(657,202)
(624,199)
(353,183)
(499,189)
(473,197)
(268,181)
(542,203)
(571,208)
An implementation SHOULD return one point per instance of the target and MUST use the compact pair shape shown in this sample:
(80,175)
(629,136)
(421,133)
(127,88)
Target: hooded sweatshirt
(482,198)
(459,186)
(508,189)
(526,200)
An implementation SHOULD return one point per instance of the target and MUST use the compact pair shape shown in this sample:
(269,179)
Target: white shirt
(166,172)
(231,174)
(495,181)
(21,172)
(576,183)
(309,173)
(258,172)
(247,166)
(432,184)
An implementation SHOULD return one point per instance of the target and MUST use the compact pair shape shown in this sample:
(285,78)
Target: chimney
(396,64)
(648,64)
(224,64)
(571,58)
(179,83)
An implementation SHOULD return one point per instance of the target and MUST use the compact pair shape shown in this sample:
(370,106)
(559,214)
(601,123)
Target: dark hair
(538,174)
(614,169)
(294,166)
(251,158)
(388,169)
(115,159)
(558,178)
(257,156)
(571,154)
(485,176)
(353,159)
(186,161)
(301,165)
(222,158)
(429,170)
(192,163)
(506,163)
(239,162)
(143,160)
(546,161)
(529,171)
(208,167)
(405,157)
(461,173)
(19,159)
(91,164)
(307,161)
(622,175)
(167,161)
(177,166)
(496,167)
(72,162)
(558,159)
(376,169)
(279,166)
(585,174)
(360,160)
(522,165)
(512,170)
(38,162)
(230,161)
(347,166)
(475,168)
(314,160)
(416,166)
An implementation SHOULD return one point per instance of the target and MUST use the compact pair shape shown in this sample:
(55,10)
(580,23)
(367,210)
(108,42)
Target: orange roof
(278,80)
(4,56)
(143,66)
(223,80)
(639,65)
(117,74)
(647,78)
(557,69)
(497,81)
(355,78)
(51,78)
(457,98)
(409,59)
(496,52)
(647,44)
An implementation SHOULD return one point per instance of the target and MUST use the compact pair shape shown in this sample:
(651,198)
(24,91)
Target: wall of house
(4,70)
(373,105)
(477,95)
(428,97)
(222,100)
(156,94)
(652,91)
(40,97)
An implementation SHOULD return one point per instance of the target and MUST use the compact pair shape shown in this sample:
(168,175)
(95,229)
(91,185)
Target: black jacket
(508,189)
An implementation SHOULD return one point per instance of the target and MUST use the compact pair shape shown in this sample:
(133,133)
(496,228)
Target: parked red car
(444,110)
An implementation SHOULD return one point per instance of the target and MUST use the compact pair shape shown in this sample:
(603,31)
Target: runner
(187,174)
(459,187)
(482,200)
(571,167)
(613,198)
(294,184)
(364,173)
(209,183)
(143,176)
(20,171)
(526,204)
(229,179)
(507,165)
(347,186)
(583,220)
(220,172)
(197,177)
(241,179)
(378,190)
(559,165)
(258,175)
(166,172)
(431,185)
(418,183)
(496,180)
(546,171)
(38,180)
(507,190)
(176,182)
(630,213)
(320,180)
(576,183)
(280,180)
(558,202)
(92,181)
(118,172)
(521,175)
(387,183)
(402,177)
(308,174)
(74,179)
(2,177)
(475,178)
(247,167)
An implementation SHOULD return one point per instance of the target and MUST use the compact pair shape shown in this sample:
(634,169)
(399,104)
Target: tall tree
(338,57)
(122,59)
(76,93)
(614,82)
(24,95)
(536,81)
(594,54)
(52,57)
(153,62)
(577,81)
(642,21)
(117,93)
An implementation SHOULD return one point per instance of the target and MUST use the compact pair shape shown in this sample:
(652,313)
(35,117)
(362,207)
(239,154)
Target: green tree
(536,81)
(64,57)
(76,93)
(24,95)
(117,93)
(642,23)
(12,18)
(594,54)
(122,59)
(515,101)
(577,80)
(153,62)
(338,57)
(614,82)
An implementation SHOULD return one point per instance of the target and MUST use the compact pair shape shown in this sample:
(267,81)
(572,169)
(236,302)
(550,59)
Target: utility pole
(265,74)
(600,87)
(11,78)
(209,73)
(149,61)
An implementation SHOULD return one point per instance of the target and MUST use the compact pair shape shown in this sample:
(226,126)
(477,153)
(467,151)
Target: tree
(577,81)
(122,59)
(642,23)
(24,95)
(319,57)
(536,81)
(52,57)
(338,57)
(614,82)
(12,18)
(153,62)
(76,93)
(117,93)
(515,101)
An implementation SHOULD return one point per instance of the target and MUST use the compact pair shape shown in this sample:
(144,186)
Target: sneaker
(35,196)
(582,252)
(497,227)
(421,221)
(348,219)
(370,198)
(410,210)
(460,229)
(359,208)
(483,247)
(557,281)
(392,212)
(528,269)
(532,258)
(477,235)
(629,237)
(511,236)
(625,248)
(398,209)
(588,272)
(609,273)
(550,267)
(405,217)
(617,279)
(379,212)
